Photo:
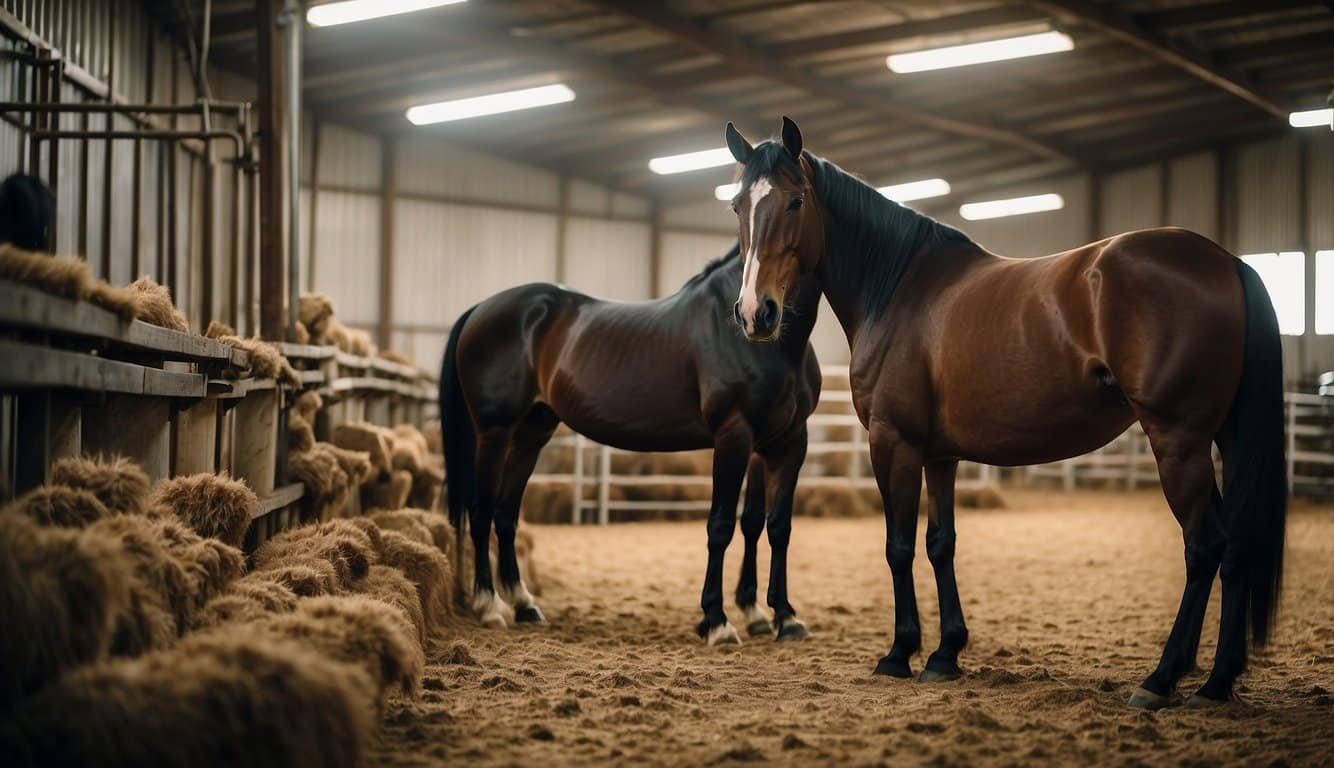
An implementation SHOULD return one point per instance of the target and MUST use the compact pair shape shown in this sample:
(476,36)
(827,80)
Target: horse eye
(795,204)
(734,208)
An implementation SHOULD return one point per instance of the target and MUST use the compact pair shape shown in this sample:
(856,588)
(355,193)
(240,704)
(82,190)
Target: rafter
(1123,27)
(762,63)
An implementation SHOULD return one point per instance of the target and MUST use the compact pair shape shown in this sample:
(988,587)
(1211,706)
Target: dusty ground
(1068,597)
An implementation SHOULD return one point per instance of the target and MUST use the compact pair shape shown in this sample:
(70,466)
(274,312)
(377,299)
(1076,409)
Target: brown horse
(958,353)
(666,375)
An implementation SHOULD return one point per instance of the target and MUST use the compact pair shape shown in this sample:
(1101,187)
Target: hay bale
(299,333)
(116,481)
(61,592)
(315,311)
(979,497)
(831,499)
(391,587)
(341,543)
(215,506)
(60,275)
(435,440)
(391,493)
(370,439)
(337,335)
(397,357)
(355,630)
(60,506)
(246,600)
(264,360)
(404,522)
(426,487)
(175,573)
(114,298)
(427,568)
(217,700)
(308,404)
(217,329)
(154,305)
(303,576)
(327,484)
(357,464)
(360,343)
(300,432)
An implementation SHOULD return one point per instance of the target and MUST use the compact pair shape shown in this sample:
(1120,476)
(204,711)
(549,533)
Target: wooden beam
(388,199)
(855,42)
(762,63)
(1232,12)
(272,174)
(1124,28)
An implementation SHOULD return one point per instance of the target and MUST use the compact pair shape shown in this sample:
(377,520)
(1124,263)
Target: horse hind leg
(525,447)
(943,664)
(1186,469)
(492,447)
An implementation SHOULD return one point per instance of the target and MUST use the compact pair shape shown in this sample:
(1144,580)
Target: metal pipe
(231,136)
(290,19)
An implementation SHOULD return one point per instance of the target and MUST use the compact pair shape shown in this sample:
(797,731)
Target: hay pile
(331,474)
(316,314)
(404,471)
(284,665)
(264,359)
(69,277)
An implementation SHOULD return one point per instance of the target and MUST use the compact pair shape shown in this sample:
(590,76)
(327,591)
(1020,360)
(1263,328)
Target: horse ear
(791,138)
(741,149)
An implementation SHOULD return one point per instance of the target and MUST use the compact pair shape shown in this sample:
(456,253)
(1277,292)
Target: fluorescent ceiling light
(692,161)
(1015,206)
(980,53)
(490,104)
(1312,118)
(726,192)
(916,190)
(348,11)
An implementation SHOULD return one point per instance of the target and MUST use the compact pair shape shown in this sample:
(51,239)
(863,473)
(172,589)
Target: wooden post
(195,440)
(312,253)
(273,253)
(255,440)
(138,428)
(388,194)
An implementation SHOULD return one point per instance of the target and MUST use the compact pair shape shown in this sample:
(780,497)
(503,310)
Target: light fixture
(980,53)
(1312,118)
(1015,206)
(348,11)
(490,104)
(726,192)
(916,190)
(692,161)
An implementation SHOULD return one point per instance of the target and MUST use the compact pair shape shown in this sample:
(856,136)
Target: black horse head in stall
(26,209)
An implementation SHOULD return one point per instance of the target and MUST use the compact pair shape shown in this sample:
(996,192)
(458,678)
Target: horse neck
(843,278)
(801,315)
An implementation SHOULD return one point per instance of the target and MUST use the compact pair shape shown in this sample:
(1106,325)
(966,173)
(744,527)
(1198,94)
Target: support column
(388,194)
(273,142)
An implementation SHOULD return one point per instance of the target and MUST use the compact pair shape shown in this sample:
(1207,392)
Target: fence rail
(1125,462)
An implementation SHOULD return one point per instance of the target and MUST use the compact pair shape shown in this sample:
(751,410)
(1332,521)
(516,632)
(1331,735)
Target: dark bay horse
(958,353)
(666,375)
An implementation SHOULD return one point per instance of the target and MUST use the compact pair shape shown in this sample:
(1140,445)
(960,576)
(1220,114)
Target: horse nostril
(736,312)
(770,313)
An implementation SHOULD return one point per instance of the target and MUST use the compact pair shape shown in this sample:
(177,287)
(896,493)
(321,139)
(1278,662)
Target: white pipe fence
(1126,462)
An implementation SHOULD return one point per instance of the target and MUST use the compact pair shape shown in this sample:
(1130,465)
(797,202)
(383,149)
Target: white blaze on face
(751,269)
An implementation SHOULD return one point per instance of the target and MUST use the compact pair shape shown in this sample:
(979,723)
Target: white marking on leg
(519,597)
(751,268)
(489,609)
(724,634)
(755,613)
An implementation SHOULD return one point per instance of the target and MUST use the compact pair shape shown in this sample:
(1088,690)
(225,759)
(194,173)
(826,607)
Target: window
(1284,276)
(1324,292)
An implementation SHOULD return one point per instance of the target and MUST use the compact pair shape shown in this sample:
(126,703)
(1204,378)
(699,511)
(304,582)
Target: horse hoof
(792,631)
(530,615)
(494,621)
(1143,699)
(1203,702)
(941,674)
(759,628)
(723,634)
(893,668)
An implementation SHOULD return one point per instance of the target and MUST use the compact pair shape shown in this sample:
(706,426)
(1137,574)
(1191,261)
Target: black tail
(1255,483)
(459,437)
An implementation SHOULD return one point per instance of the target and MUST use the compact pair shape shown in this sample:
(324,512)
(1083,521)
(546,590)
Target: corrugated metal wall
(1268,197)
(1132,200)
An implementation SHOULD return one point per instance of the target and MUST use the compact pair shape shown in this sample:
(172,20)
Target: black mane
(869,238)
(713,266)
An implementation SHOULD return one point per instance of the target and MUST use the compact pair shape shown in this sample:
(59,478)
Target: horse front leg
(782,468)
(752,525)
(731,452)
(898,473)
(943,664)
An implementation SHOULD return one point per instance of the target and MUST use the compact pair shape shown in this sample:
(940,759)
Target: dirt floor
(1068,597)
